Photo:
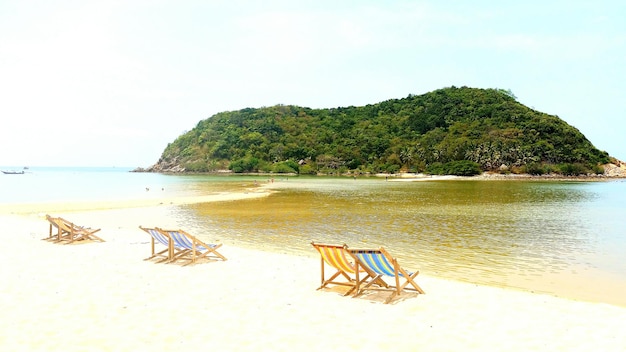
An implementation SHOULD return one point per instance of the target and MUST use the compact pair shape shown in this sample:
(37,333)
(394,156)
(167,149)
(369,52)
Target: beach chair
(378,263)
(163,238)
(56,233)
(347,273)
(70,232)
(190,247)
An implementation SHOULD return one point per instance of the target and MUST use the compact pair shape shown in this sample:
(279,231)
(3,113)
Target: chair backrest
(335,256)
(69,226)
(185,240)
(180,238)
(65,225)
(375,260)
(53,221)
(161,238)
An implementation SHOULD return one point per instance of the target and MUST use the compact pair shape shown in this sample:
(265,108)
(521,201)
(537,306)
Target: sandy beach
(94,296)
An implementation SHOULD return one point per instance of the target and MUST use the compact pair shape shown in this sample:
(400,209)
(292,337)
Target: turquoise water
(562,238)
(52,184)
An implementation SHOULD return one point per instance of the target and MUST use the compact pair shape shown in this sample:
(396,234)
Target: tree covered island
(460,131)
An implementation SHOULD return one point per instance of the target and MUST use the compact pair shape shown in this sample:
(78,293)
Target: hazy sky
(111,83)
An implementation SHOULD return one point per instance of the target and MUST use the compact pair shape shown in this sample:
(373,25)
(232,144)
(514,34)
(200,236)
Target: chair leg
(326,282)
(374,280)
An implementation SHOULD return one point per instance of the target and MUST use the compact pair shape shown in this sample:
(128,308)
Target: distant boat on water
(12,172)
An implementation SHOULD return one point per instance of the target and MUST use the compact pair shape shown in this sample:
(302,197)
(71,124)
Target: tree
(506,92)
(406,157)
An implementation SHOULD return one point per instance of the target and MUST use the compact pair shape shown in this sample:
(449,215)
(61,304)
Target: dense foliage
(486,128)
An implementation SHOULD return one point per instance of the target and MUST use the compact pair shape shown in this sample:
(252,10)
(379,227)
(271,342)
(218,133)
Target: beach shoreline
(490,176)
(105,204)
(89,296)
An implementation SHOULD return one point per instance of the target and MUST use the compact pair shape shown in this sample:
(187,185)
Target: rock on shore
(617,169)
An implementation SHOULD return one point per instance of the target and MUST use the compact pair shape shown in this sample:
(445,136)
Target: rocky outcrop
(615,169)
(163,167)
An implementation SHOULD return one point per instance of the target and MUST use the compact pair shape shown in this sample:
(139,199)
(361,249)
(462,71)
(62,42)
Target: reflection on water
(539,236)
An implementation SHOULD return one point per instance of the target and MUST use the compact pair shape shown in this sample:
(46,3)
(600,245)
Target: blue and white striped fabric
(159,237)
(377,262)
(182,241)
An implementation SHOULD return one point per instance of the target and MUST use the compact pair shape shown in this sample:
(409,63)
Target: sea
(562,238)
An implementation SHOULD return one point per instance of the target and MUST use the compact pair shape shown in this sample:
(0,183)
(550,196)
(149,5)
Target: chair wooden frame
(163,238)
(379,263)
(54,224)
(70,232)
(337,258)
(190,247)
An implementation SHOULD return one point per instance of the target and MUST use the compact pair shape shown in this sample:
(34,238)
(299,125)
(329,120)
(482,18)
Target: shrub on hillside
(533,169)
(456,168)
(248,164)
(462,168)
(572,169)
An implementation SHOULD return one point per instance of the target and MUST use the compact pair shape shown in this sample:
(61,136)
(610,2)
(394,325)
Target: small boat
(12,172)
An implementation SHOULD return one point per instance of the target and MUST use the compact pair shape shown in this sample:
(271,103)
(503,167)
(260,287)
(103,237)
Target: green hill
(451,130)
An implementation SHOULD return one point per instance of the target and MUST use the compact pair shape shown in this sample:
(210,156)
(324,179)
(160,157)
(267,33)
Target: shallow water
(53,184)
(562,238)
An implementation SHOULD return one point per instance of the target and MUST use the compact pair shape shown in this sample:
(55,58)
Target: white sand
(56,207)
(104,297)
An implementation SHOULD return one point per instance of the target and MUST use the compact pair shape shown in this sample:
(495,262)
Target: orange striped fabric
(336,257)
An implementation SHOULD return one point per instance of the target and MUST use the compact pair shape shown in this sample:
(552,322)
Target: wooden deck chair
(337,258)
(191,248)
(163,238)
(379,263)
(56,233)
(71,232)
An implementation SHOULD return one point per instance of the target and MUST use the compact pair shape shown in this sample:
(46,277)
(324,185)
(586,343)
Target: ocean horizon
(60,183)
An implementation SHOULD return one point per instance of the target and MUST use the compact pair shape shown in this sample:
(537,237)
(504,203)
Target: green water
(561,238)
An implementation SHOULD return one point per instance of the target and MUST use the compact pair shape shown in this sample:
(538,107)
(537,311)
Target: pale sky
(111,83)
